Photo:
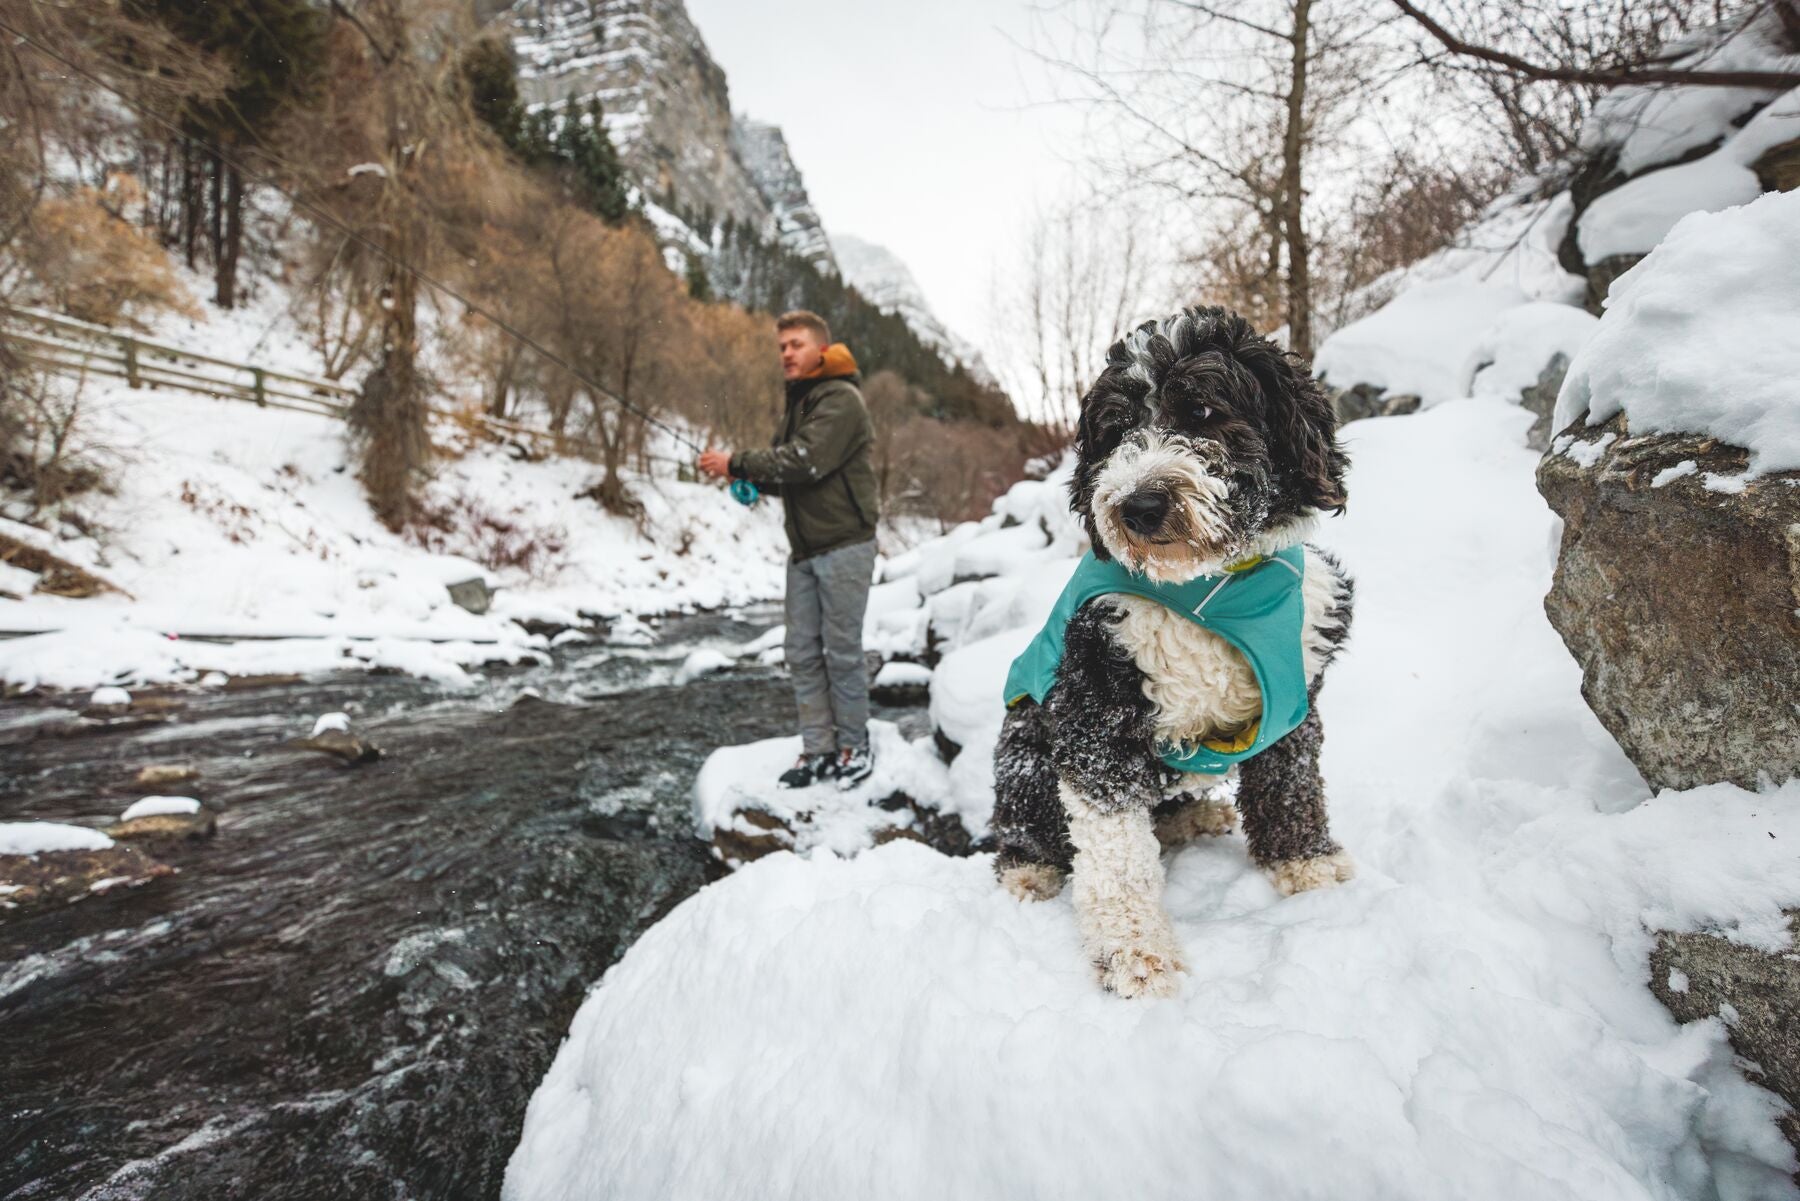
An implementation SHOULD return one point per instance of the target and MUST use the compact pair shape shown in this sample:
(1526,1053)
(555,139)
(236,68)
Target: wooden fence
(66,346)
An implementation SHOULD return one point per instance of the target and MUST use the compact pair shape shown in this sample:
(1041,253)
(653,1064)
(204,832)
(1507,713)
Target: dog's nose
(1143,512)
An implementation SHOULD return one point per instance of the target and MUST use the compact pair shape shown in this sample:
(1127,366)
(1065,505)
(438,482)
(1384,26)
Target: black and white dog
(1202,445)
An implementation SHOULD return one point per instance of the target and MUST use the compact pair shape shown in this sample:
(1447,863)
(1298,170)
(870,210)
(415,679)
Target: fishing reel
(744,492)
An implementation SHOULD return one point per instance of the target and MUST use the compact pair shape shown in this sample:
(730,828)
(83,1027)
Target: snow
(34,838)
(1633,218)
(1516,348)
(331,721)
(837,820)
(702,662)
(109,698)
(885,281)
(1420,342)
(1407,1035)
(160,806)
(1700,336)
(226,520)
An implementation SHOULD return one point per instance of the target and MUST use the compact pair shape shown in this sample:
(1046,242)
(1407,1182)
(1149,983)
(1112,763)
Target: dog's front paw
(1032,881)
(1319,871)
(1144,969)
(1199,817)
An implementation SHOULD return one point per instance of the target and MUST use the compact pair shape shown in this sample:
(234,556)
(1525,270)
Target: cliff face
(668,109)
(886,282)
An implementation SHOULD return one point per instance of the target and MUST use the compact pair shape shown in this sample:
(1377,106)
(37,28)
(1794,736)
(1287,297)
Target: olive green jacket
(820,463)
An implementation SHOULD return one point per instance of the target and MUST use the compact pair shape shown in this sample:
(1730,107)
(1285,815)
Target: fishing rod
(746,495)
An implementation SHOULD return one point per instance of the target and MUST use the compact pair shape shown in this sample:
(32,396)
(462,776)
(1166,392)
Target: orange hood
(837,361)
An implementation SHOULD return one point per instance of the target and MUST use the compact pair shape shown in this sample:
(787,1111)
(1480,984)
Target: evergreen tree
(492,78)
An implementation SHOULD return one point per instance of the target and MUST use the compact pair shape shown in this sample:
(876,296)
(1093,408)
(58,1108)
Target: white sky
(910,123)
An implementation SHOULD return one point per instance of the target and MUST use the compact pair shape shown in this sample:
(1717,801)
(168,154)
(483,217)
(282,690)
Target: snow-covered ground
(1468,1018)
(226,520)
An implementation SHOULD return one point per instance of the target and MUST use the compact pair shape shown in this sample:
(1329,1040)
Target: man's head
(802,338)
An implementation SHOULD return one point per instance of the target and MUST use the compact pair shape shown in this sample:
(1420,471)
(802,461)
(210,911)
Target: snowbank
(34,838)
(1420,342)
(1700,336)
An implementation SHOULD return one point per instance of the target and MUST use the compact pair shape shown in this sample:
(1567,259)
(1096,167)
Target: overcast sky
(911,123)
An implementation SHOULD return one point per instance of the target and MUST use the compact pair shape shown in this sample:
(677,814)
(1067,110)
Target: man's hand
(716,463)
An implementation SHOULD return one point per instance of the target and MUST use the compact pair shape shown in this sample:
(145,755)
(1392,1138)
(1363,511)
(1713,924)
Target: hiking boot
(853,766)
(809,770)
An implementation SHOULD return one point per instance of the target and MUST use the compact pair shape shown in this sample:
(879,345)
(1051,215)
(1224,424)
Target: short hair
(805,319)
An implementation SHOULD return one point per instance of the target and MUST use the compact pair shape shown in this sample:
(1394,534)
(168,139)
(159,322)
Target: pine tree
(492,78)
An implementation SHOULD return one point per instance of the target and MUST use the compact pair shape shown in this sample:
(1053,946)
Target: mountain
(668,110)
(887,283)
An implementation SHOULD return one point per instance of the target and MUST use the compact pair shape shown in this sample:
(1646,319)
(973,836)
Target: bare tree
(1079,284)
(1230,105)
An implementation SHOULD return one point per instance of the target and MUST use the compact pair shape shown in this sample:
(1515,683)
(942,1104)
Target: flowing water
(352,990)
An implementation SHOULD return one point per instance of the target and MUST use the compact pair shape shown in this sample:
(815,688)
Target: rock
(1600,277)
(340,744)
(752,834)
(166,827)
(1757,994)
(156,775)
(61,877)
(1540,399)
(1679,601)
(472,594)
(1367,400)
(1778,170)
(754,831)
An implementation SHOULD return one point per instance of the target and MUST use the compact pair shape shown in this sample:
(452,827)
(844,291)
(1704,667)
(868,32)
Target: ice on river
(1468,1018)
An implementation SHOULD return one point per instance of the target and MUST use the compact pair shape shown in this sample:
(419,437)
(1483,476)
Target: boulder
(61,877)
(472,594)
(1756,994)
(1676,589)
(341,745)
(157,775)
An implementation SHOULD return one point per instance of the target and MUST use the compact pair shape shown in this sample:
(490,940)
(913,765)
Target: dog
(1203,450)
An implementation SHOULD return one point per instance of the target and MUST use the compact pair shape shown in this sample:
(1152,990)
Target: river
(353,989)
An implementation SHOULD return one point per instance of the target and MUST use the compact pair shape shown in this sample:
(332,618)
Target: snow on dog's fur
(1201,446)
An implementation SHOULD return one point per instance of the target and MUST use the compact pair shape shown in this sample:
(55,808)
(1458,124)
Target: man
(819,464)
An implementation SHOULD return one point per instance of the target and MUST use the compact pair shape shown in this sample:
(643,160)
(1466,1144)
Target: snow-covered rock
(744,813)
(110,698)
(886,282)
(966,699)
(702,662)
(160,806)
(1700,336)
(331,721)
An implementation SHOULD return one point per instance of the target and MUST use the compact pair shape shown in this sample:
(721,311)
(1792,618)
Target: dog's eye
(1205,412)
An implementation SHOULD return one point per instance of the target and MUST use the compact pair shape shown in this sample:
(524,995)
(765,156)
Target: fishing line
(326,218)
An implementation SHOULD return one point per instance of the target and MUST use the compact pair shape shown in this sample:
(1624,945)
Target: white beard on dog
(1198,520)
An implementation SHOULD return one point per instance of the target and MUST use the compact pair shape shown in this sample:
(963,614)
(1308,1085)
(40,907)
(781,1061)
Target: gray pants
(826,598)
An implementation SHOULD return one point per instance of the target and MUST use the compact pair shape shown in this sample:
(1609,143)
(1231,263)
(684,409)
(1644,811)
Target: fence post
(261,400)
(132,375)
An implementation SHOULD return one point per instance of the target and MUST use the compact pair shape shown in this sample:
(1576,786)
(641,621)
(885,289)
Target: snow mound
(953,1043)
(903,675)
(34,838)
(110,698)
(1700,336)
(1420,342)
(735,778)
(159,806)
(1514,351)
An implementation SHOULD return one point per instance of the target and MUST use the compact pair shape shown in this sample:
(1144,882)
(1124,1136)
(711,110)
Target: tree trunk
(190,203)
(225,275)
(214,226)
(1293,196)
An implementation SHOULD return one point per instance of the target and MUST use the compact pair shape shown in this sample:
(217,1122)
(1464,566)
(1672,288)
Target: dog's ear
(1303,422)
(1089,454)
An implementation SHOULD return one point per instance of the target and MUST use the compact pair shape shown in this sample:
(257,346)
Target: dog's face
(1201,444)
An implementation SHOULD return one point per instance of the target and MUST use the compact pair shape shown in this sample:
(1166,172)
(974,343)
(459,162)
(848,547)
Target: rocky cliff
(668,109)
(887,283)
